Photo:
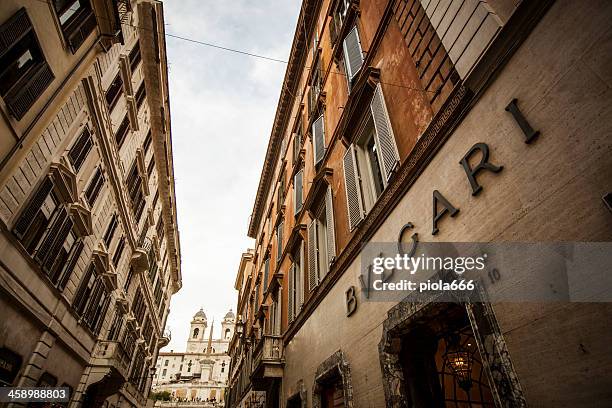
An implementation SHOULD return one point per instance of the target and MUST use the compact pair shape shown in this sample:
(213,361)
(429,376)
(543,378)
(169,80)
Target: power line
(247,53)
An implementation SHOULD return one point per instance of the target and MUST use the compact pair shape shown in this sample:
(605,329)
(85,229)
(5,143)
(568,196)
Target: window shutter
(331,231)
(27,216)
(318,139)
(353,195)
(353,57)
(333,35)
(54,239)
(279,242)
(266,273)
(74,256)
(297,145)
(78,152)
(300,281)
(292,293)
(298,190)
(12,31)
(312,256)
(387,152)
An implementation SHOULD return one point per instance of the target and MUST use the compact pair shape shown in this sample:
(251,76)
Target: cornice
(299,50)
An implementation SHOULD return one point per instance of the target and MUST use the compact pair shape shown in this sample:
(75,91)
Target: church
(200,373)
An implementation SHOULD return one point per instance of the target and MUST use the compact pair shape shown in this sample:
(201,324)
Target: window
(79,150)
(353,56)
(76,19)
(223,366)
(321,241)
(298,192)
(164,372)
(24,72)
(141,95)
(296,278)
(114,92)
(118,251)
(166,363)
(160,228)
(122,132)
(150,167)
(196,332)
(315,85)
(94,187)
(92,298)
(279,242)
(45,229)
(370,162)
(110,230)
(266,272)
(318,139)
(297,143)
(147,142)
(138,306)
(135,56)
(134,185)
(113,333)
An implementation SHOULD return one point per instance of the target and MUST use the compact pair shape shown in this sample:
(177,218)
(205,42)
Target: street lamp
(239,325)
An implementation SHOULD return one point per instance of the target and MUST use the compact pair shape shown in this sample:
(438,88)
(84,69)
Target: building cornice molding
(299,51)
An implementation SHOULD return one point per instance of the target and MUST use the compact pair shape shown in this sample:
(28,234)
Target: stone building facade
(89,250)
(427,121)
(199,374)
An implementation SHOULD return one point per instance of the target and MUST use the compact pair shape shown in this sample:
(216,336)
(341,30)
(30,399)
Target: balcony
(164,339)
(110,354)
(268,361)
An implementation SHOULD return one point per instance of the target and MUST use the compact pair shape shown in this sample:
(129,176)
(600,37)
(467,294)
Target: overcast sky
(222,107)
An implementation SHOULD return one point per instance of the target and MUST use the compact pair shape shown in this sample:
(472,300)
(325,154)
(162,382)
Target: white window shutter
(298,190)
(312,256)
(331,231)
(353,56)
(300,281)
(292,293)
(353,193)
(385,140)
(318,139)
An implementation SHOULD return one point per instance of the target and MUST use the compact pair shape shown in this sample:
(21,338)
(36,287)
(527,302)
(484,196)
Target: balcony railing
(111,354)
(268,359)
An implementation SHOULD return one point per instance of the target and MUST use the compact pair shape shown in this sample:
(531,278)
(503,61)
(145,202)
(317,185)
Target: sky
(222,108)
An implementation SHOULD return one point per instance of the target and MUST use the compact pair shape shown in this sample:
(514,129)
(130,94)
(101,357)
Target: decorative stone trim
(505,386)
(336,364)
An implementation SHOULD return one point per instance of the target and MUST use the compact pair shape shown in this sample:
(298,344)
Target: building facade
(427,121)
(90,252)
(198,375)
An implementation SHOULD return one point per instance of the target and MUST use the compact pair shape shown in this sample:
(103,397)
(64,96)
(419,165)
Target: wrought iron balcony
(268,360)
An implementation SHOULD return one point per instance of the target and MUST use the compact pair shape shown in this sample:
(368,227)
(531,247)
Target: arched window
(227,333)
(196,331)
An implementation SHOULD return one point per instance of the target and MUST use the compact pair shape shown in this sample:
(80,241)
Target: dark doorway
(441,363)
(332,393)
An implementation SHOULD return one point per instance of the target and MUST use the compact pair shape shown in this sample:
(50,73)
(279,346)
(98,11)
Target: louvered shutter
(279,242)
(387,151)
(333,35)
(309,100)
(312,256)
(266,273)
(59,237)
(292,294)
(300,281)
(331,230)
(353,57)
(298,190)
(351,183)
(318,139)
(53,239)
(78,152)
(27,215)
(75,254)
